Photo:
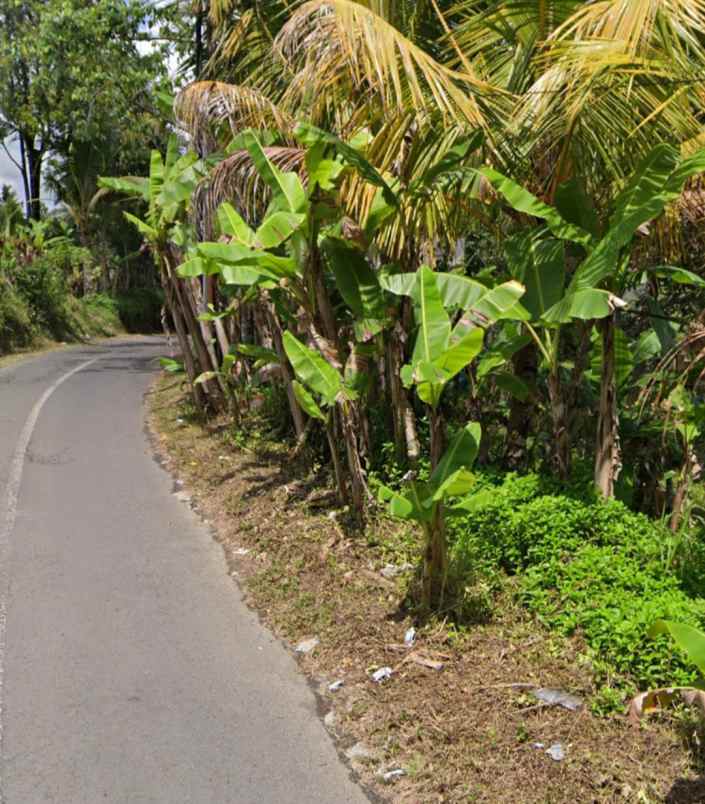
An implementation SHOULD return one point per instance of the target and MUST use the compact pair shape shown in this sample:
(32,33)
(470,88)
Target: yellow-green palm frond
(617,77)
(503,37)
(220,10)
(635,27)
(430,212)
(204,106)
(333,42)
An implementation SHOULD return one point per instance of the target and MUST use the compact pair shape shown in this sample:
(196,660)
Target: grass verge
(468,732)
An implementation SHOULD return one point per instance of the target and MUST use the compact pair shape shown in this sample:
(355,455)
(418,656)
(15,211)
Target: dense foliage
(42,273)
(587,567)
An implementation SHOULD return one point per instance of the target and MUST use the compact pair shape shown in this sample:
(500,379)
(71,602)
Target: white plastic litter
(391,775)
(410,637)
(556,752)
(382,674)
(554,697)
(308,645)
(336,685)
(392,570)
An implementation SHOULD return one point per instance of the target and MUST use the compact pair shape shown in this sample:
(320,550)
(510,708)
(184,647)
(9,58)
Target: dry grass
(465,733)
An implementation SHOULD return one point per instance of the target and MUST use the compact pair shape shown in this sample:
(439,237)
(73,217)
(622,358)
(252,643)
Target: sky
(8,172)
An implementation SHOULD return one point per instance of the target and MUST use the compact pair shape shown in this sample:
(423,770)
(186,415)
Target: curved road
(130,670)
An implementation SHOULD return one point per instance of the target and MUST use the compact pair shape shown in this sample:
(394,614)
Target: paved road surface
(131,671)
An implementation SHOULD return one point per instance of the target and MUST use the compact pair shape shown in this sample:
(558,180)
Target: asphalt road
(130,669)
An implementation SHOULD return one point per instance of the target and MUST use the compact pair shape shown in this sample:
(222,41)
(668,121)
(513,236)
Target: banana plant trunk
(331,435)
(435,567)
(359,493)
(520,410)
(183,300)
(190,364)
(437,436)
(608,461)
(560,425)
(406,438)
(288,376)
(348,411)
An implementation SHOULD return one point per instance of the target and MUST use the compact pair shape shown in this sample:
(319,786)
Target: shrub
(43,287)
(611,599)
(17,330)
(587,567)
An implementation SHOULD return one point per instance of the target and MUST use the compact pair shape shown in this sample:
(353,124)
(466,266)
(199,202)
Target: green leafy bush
(586,567)
(611,599)
(43,287)
(16,328)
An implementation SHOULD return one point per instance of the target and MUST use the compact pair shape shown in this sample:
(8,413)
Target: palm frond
(329,42)
(205,106)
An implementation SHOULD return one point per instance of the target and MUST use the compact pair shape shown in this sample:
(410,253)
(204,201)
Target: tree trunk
(691,471)
(520,411)
(206,327)
(25,180)
(349,418)
(198,41)
(183,299)
(559,420)
(297,415)
(608,461)
(340,483)
(33,158)
(435,568)
(437,436)
(358,486)
(174,308)
(406,439)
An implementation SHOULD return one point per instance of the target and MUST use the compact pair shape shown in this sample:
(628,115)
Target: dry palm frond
(204,106)
(332,42)
(691,204)
(236,180)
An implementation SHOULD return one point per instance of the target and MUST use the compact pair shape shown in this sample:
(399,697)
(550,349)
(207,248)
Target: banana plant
(167,192)
(593,291)
(425,501)
(442,349)
(687,418)
(691,642)
(320,390)
(225,376)
(273,258)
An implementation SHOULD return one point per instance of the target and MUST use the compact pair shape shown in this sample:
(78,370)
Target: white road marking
(7,524)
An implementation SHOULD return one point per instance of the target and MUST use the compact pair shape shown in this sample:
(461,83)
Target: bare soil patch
(468,732)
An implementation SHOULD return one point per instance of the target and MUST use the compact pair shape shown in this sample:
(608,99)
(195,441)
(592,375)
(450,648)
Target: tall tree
(71,71)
